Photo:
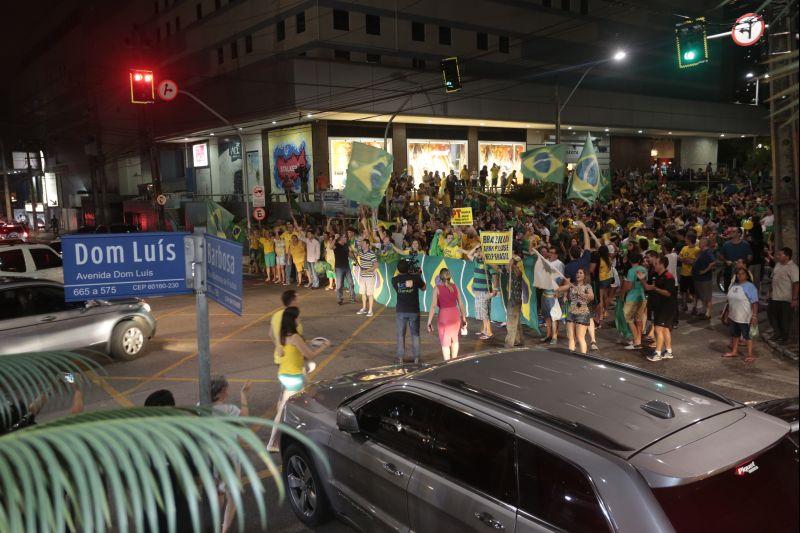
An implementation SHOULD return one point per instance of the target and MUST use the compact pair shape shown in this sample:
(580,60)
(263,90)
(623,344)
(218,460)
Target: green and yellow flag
(585,183)
(368,174)
(545,163)
(219,220)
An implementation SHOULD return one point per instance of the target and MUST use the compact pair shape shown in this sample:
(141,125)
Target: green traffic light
(689,55)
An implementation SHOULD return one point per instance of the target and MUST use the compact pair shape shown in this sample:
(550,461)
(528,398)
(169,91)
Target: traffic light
(142,86)
(451,75)
(691,42)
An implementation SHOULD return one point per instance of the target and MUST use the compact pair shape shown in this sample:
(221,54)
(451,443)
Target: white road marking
(738,386)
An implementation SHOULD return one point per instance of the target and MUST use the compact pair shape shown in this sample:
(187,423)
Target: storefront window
(340,149)
(505,154)
(435,156)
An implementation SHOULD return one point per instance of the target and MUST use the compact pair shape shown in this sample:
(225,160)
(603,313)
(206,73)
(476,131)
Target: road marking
(782,379)
(738,386)
(111,391)
(346,342)
(174,311)
(191,356)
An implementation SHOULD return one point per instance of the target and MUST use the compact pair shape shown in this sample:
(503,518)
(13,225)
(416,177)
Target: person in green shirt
(635,308)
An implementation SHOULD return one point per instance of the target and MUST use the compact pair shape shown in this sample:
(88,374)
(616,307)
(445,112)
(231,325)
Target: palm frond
(75,473)
(24,378)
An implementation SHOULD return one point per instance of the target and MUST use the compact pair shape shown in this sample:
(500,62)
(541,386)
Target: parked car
(13,232)
(37,261)
(34,317)
(537,440)
(787,409)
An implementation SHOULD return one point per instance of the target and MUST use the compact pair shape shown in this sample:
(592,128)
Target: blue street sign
(110,266)
(224,272)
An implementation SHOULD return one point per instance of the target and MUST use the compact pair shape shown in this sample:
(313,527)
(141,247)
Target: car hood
(331,393)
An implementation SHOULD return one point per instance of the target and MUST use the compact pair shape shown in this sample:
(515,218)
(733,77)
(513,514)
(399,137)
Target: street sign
(167,90)
(748,29)
(111,266)
(259,213)
(223,272)
(161,199)
(259,197)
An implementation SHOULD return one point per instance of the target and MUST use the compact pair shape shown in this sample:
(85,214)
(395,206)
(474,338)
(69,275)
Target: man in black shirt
(341,253)
(662,297)
(407,287)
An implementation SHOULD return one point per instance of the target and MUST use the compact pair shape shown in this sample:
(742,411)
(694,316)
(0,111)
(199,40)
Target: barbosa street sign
(113,266)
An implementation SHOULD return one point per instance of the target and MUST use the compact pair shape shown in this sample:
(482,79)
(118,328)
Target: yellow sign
(462,216)
(497,246)
(702,200)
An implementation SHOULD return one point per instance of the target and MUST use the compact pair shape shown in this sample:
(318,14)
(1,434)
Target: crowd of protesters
(648,256)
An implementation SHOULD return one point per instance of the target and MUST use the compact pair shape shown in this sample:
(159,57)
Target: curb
(782,350)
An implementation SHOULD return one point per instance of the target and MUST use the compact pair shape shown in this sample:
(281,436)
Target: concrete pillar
(534,137)
(399,147)
(472,148)
(320,161)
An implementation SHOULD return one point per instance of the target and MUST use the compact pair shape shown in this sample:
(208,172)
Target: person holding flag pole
(548,277)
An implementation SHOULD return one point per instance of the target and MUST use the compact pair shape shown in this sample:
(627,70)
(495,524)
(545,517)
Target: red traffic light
(142,86)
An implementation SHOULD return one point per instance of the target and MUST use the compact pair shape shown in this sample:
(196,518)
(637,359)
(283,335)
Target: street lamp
(750,76)
(619,55)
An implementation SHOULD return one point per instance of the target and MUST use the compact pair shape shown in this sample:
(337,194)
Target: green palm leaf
(24,378)
(87,472)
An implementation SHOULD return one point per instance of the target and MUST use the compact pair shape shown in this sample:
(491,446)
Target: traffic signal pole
(237,130)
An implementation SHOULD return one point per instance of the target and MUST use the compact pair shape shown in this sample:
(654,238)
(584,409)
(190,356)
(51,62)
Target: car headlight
(146,306)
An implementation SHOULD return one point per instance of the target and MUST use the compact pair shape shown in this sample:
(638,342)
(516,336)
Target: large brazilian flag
(368,174)
(585,183)
(545,163)
(219,221)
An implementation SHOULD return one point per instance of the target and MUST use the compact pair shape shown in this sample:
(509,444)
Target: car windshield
(758,495)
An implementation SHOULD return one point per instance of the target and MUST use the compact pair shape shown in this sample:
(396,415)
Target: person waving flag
(544,164)
(368,174)
(586,181)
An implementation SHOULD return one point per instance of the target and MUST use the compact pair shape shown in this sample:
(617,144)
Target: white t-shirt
(672,267)
(741,297)
(226,409)
(783,276)
(312,249)
(558,265)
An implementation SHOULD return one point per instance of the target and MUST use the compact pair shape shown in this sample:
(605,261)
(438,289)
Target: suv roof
(617,407)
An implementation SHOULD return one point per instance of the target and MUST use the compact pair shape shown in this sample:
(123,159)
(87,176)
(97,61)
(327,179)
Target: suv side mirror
(346,419)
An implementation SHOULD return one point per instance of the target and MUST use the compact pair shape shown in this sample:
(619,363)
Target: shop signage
(123,265)
(200,155)
(259,197)
(224,272)
(462,216)
(497,246)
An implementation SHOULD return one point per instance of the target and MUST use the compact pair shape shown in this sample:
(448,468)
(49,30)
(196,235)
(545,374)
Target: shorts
(686,284)
(482,305)
(292,382)
(605,283)
(740,330)
(280,260)
(366,285)
(269,259)
(579,318)
(300,267)
(664,318)
(703,290)
(635,311)
(330,274)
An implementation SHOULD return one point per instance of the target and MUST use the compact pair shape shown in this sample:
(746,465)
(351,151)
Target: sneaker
(633,347)
(546,340)
(654,357)
(594,346)
(340,302)
(553,342)
(667,355)
(369,313)
(361,311)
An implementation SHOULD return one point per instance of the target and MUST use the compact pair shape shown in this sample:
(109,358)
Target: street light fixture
(619,55)
(749,75)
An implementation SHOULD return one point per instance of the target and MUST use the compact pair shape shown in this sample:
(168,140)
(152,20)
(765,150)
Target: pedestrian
(495,171)
(451,316)
(604,280)
(221,407)
(580,296)
(312,258)
(297,251)
(702,274)
(483,175)
(741,313)
(686,258)
(280,259)
(551,307)
(291,373)
(407,287)
(268,250)
(341,253)
(483,284)
(514,304)
(662,299)
(783,297)
(368,264)
(288,299)
(160,398)
(635,307)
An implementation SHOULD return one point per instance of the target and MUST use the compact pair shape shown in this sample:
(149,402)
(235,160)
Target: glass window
(217,4)
(300,22)
(198,9)
(584,7)
(12,261)
(43,300)
(220,56)
(373,24)
(341,20)
(547,3)
(280,30)
(373,58)
(234,50)
(44,258)
(565,5)
(482,41)
(418,31)
(418,62)
(475,453)
(444,35)
(557,492)
(10,306)
(177,24)
(248,44)
(400,421)
(169,29)
(502,44)
(342,54)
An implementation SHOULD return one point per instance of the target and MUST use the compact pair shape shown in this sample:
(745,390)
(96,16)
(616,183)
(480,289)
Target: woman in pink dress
(451,314)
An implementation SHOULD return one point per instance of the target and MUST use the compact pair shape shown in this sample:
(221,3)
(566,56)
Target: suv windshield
(759,495)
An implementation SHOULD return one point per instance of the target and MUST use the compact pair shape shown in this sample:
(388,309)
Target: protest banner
(462,216)
(497,246)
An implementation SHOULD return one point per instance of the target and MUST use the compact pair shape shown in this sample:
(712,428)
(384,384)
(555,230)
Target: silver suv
(34,317)
(532,440)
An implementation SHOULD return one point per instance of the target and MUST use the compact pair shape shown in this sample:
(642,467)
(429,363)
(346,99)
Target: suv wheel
(306,493)
(128,340)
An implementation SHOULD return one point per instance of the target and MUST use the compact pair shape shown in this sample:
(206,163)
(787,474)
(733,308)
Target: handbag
(464,330)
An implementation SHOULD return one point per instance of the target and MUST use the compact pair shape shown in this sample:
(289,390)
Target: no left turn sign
(167,90)
(748,29)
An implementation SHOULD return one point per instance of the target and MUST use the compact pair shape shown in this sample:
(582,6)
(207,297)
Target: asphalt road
(241,350)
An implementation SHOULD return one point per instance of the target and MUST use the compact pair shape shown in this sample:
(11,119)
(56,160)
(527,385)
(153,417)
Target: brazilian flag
(368,174)
(586,181)
(219,220)
(605,188)
(545,164)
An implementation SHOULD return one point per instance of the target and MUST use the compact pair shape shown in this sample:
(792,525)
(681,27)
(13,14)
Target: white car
(36,261)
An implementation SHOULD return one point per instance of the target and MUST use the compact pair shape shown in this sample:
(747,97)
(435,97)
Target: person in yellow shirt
(286,236)
(686,258)
(297,249)
(270,262)
(255,252)
(288,299)
(291,372)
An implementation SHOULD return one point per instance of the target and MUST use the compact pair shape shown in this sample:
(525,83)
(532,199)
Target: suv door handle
(489,520)
(48,318)
(389,467)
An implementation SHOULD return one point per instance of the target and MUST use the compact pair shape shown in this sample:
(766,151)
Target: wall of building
(697,152)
